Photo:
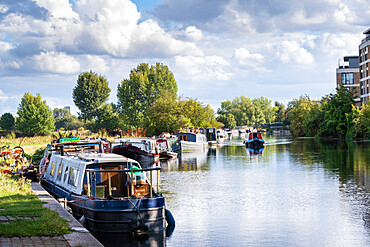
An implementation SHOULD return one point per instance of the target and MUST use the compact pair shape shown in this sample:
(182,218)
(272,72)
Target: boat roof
(105,158)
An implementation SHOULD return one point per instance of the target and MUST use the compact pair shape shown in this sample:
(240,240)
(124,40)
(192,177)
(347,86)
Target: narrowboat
(142,149)
(190,141)
(211,137)
(254,140)
(113,193)
(168,147)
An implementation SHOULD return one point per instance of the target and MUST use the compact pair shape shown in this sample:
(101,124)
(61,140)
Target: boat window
(73,175)
(65,174)
(52,168)
(60,169)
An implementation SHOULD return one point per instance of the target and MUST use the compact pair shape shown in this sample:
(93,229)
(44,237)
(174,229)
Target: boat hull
(141,156)
(192,146)
(255,144)
(122,215)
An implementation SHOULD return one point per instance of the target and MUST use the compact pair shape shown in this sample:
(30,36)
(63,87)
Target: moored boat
(142,149)
(211,137)
(190,141)
(254,140)
(113,193)
(168,147)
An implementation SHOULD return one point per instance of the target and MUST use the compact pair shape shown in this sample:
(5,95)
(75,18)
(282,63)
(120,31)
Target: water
(298,192)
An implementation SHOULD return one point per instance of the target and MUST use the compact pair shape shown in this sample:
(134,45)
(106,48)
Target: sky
(217,49)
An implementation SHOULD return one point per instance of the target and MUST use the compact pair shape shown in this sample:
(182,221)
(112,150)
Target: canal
(294,192)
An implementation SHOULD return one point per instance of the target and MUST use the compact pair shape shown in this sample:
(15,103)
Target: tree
(145,85)
(90,93)
(279,112)
(64,119)
(338,116)
(34,116)
(165,115)
(107,119)
(7,121)
(168,115)
(297,111)
(228,120)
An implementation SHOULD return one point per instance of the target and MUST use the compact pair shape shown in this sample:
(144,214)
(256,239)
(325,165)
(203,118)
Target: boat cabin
(191,137)
(98,175)
(145,144)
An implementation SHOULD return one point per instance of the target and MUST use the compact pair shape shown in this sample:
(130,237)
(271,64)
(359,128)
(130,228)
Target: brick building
(348,75)
(364,62)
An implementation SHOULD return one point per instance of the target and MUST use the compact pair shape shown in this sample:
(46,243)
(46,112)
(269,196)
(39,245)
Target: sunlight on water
(293,192)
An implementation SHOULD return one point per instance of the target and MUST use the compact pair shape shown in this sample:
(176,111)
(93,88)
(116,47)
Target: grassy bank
(18,201)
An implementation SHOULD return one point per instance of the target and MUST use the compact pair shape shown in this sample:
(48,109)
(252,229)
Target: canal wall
(80,236)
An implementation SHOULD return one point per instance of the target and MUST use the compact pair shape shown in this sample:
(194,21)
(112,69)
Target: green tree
(312,120)
(90,93)
(279,112)
(34,116)
(338,116)
(7,121)
(64,119)
(297,111)
(228,120)
(364,119)
(145,85)
(107,119)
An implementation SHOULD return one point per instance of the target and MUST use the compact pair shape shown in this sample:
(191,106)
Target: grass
(18,200)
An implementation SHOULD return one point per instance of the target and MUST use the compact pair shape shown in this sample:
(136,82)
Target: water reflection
(294,192)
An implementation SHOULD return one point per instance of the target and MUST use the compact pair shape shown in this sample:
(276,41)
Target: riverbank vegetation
(27,216)
(335,116)
(148,100)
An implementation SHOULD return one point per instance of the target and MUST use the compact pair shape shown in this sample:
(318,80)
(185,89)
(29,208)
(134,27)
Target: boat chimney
(61,150)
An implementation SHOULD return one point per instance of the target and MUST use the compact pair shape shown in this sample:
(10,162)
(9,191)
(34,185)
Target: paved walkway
(80,237)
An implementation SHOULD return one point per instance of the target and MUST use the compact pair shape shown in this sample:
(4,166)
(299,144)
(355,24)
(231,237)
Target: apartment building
(348,75)
(364,62)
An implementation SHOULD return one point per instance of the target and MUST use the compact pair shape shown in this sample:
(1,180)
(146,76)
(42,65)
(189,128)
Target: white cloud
(56,63)
(58,8)
(95,63)
(3,96)
(214,68)
(244,56)
(291,52)
(3,9)
(193,33)
(5,46)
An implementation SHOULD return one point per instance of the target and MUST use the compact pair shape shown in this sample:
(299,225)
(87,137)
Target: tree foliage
(34,116)
(297,111)
(247,111)
(139,92)
(64,119)
(107,118)
(7,121)
(169,115)
(338,116)
(335,116)
(90,93)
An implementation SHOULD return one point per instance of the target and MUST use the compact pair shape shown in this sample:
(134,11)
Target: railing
(91,179)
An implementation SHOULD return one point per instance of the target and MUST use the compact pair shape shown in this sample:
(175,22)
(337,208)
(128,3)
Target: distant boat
(254,140)
(168,146)
(192,141)
(142,149)
(220,133)
(211,137)
(111,192)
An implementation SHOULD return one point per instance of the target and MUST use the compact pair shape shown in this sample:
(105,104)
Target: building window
(347,78)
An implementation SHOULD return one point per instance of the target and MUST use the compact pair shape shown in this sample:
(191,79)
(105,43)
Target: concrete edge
(80,236)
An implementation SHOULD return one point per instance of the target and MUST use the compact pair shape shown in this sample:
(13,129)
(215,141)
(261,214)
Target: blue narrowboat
(254,140)
(112,192)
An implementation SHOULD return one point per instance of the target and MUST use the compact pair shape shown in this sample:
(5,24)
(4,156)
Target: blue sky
(217,49)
